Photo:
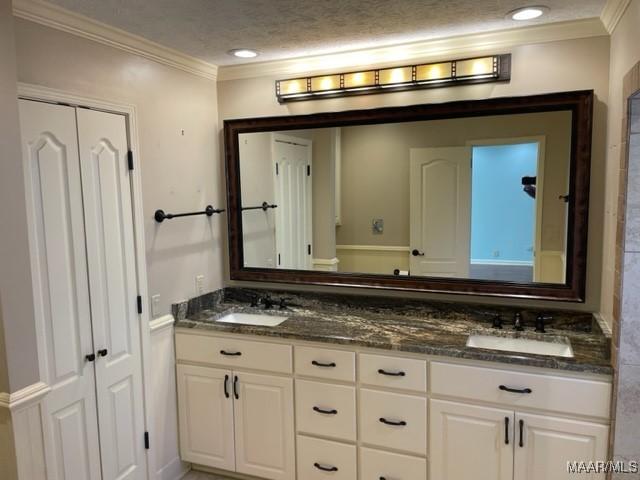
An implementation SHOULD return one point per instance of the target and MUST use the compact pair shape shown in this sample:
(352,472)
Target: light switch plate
(199,284)
(377,226)
(155,305)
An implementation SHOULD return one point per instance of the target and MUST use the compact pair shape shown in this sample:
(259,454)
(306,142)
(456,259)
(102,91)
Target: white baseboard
(325,264)
(174,470)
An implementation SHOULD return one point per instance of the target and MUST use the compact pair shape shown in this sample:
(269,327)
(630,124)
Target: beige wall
(540,68)
(625,53)
(18,348)
(177,126)
(375,170)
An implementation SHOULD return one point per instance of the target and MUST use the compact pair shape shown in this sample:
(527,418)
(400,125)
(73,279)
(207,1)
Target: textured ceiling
(281,29)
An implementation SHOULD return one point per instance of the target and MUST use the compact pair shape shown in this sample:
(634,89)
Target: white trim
(380,248)
(604,322)
(325,261)
(24,397)
(502,263)
(158,324)
(438,49)
(36,92)
(612,13)
(60,18)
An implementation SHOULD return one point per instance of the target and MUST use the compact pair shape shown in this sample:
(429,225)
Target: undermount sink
(552,345)
(252,319)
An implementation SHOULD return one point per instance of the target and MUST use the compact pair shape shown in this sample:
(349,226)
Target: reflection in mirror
(476,198)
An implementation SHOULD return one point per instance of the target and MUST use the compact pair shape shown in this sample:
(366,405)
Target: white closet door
(54,196)
(112,280)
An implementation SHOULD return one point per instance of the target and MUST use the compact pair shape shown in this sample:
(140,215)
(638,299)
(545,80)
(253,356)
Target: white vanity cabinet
(290,410)
(477,442)
(232,419)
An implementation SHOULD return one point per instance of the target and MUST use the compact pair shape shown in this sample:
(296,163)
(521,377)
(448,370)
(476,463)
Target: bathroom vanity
(368,388)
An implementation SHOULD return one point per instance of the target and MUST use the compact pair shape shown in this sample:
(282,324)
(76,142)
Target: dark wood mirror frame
(580,103)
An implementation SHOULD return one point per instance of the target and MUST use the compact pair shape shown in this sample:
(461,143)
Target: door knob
(90,357)
(417,253)
(102,353)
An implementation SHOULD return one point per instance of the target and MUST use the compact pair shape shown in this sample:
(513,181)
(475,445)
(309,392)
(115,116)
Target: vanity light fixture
(243,53)
(527,13)
(494,68)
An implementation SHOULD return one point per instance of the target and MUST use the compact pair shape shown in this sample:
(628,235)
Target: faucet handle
(283,302)
(496,319)
(517,322)
(540,319)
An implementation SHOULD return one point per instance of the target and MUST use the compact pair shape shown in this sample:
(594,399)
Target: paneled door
(292,157)
(61,291)
(440,211)
(469,442)
(206,416)
(108,217)
(264,428)
(545,445)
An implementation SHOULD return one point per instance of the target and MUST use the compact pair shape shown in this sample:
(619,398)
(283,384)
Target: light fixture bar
(465,71)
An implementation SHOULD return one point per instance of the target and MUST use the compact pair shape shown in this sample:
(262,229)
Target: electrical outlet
(199,284)
(496,253)
(155,305)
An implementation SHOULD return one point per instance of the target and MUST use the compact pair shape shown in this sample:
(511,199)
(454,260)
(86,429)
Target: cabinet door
(61,291)
(264,426)
(548,443)
(469,442)
(106,193)
(205,412)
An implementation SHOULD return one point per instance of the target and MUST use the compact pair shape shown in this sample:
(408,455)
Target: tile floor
(193,475)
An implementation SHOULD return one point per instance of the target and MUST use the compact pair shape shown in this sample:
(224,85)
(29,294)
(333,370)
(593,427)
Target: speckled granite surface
(433,328)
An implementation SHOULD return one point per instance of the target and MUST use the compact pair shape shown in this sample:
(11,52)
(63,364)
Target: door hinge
(139,303)
(308,170)
(146,440)
(278,259)
(130,159)
(309,249)
(277,169)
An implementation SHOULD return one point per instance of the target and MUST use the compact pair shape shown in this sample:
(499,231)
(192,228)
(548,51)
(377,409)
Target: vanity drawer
(393,372)
(322,459)
(327,410)
(554,393)
(376,464)
(378,413)
(325,363)
(234,353)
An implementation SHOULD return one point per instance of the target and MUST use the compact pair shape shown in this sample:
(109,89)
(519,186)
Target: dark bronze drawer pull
(230,354)
(506,430)
(401,423)
(325,468)
(226,386)
(504,388)
(391,374)
(333,411)
(521,444)
(235,387)
(325,365)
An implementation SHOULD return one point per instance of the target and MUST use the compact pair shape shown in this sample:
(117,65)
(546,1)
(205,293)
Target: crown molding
(59,18)
(612,13)
(438,49)
(26,396)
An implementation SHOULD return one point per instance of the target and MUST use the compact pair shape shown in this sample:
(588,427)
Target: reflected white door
(112,281)
(292,157)
(549,443)
(440,204)
(61,291)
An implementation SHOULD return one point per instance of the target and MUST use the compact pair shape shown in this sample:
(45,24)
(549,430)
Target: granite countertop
(409,326)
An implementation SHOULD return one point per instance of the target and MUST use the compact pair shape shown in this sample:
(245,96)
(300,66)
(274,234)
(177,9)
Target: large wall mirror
(482,197)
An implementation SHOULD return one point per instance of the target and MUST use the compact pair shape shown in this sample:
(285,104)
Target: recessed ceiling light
(527,13)
(243,53)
